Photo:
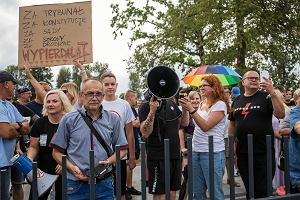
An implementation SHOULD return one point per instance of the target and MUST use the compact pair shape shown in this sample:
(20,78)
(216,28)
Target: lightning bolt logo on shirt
(245,112)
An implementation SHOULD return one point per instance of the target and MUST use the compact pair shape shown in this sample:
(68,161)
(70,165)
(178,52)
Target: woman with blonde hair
(56,104)
(71,90)
(209,120)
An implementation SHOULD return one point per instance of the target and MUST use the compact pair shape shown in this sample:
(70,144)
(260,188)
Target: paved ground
(239,191)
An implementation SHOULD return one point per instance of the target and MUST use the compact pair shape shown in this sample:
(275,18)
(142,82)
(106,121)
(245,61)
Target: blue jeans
(79,190)
(201,174)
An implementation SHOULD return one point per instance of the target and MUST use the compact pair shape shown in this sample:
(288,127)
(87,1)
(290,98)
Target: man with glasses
(24,95)
(252,114)
(75,138)
(12,126)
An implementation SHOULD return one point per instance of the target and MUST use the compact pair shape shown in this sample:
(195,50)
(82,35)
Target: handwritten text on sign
(55,34)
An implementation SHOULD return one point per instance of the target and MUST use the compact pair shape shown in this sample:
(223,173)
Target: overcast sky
(105,48)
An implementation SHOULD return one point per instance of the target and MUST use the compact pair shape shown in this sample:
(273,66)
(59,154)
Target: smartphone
(264,73)
(181,96)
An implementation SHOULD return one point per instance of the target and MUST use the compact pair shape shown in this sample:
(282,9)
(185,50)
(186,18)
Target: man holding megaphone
(160,118)
(12,125)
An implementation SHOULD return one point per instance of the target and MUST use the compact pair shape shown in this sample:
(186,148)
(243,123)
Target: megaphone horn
(44,180)
(163,82)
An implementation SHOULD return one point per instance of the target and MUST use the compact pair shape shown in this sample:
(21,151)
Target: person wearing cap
(24,95)
(12,125)
(235,92)
(17,178)
(252,115)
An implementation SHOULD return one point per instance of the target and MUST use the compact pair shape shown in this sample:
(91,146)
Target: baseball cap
(5,76)
(235,91)
(22,90)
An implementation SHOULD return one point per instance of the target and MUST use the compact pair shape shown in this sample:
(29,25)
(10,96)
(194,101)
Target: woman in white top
(210,120)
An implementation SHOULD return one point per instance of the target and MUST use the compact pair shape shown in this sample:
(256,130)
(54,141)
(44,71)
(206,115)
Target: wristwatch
(20,126)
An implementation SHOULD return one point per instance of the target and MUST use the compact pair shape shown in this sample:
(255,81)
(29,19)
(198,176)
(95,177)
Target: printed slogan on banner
(55,34)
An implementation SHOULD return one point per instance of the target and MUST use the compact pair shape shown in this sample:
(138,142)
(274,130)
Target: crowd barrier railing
(143,168)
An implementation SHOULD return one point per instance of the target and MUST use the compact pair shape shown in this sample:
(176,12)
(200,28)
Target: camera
(181,96)
(100,171)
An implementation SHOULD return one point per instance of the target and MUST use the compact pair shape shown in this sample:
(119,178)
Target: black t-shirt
(24,110)
(41,128)
(252,115)
(166,126)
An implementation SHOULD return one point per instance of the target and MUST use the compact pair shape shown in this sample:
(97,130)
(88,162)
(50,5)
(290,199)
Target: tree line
(245,34)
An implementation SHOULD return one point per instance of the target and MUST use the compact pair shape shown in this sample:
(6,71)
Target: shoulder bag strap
(96,133)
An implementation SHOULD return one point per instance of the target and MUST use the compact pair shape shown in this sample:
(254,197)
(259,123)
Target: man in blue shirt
(74,137)
(12,125)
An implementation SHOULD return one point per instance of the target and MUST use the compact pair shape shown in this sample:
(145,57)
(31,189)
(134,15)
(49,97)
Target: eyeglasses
(93,94)
(65,91)
(204,85)
(252,78)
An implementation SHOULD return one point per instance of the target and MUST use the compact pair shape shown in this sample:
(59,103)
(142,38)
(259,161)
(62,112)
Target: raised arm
(83,73)
(147,125)
(39,89)
(278,106)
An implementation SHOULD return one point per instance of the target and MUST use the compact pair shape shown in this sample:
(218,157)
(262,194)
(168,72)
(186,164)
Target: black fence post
(231,167)
(64,177)
(143,170)
(190,168)
(269,165)
(34,181)
(286,164)
(250,166)
(211,167)
(92,175)
(118,173)
(167,168)
(2,185)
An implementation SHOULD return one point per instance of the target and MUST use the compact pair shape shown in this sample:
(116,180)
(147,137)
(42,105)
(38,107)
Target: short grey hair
(89,79)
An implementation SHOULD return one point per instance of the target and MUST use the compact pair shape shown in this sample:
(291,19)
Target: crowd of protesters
(56,121)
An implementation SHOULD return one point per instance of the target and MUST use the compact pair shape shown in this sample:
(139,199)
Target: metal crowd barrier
(190,172)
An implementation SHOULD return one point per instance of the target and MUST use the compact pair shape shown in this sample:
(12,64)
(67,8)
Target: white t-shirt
(200,138)
(121,108)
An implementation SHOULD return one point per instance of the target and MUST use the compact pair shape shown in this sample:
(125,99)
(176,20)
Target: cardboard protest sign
(55,34)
